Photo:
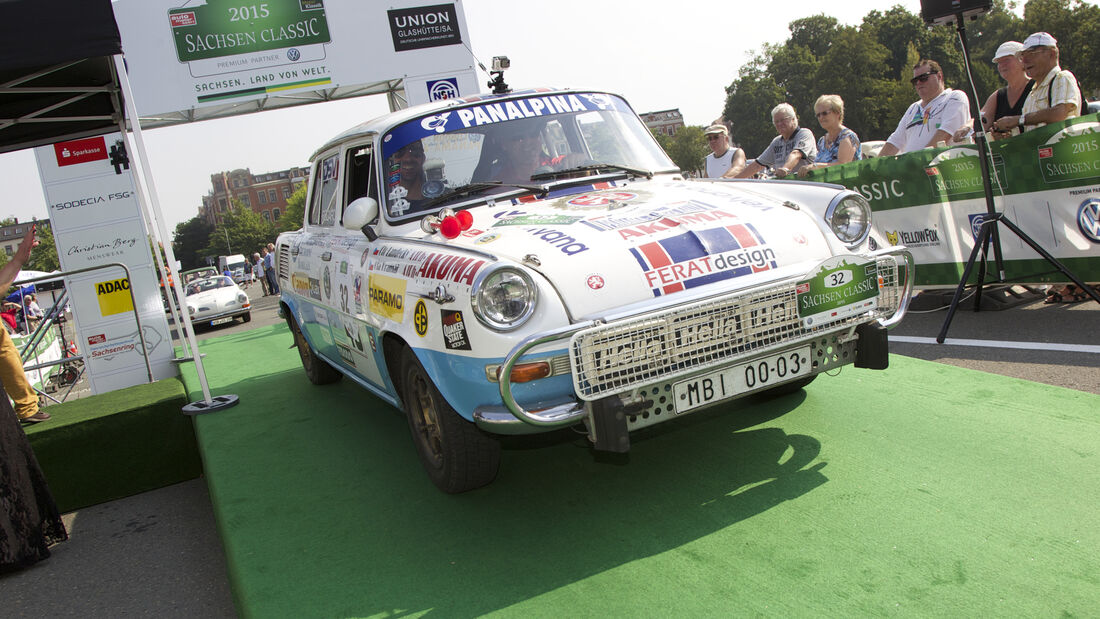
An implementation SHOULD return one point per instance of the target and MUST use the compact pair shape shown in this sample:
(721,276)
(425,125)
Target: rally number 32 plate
(722,384)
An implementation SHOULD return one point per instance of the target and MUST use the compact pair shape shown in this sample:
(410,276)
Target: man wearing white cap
(1007,101)
(723,157)
(1055,96)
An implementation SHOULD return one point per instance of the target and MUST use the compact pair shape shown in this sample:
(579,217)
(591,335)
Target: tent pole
(165,276)
(208,404)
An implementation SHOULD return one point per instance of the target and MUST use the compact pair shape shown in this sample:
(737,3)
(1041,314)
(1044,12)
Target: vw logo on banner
(1088,219)
(976,222)
(446,88)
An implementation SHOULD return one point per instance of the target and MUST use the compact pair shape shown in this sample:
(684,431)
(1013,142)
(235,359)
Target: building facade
(666,122)
(266,194)
(11,234)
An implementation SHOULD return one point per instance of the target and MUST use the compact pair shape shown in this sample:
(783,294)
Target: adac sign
(114,297)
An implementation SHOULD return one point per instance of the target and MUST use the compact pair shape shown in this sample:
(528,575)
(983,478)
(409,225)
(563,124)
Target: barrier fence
(932,201)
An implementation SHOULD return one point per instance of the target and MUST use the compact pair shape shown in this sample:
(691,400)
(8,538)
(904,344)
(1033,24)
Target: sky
(656,58)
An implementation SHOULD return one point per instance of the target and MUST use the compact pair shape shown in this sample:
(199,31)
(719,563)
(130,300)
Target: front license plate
(221,321)
(717,386)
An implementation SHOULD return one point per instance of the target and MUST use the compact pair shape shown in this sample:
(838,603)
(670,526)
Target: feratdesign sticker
(703,257)
(454,330)
(420,318)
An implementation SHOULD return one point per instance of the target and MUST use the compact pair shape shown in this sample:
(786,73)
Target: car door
(313,255)
(354,335)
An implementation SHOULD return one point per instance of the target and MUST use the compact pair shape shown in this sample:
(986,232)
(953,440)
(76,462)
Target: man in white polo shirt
(938,114)
(723,157)
(1055,95)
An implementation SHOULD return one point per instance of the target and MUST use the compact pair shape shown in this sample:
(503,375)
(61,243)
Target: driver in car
(524,155)
(406,178)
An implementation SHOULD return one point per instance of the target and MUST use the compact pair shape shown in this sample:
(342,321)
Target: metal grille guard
(560,414)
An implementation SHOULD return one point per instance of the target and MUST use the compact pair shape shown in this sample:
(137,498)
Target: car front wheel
(456,454)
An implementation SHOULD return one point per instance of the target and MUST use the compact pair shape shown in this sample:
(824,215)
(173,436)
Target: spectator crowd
(1037,91)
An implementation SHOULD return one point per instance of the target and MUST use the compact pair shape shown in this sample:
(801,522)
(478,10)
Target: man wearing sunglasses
(723,157)
(938,114)
(1055,95)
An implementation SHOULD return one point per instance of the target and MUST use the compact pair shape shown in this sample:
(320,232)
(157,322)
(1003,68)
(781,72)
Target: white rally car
(517,263)
(216,301)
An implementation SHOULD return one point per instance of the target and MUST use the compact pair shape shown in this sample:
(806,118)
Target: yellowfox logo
(892,237)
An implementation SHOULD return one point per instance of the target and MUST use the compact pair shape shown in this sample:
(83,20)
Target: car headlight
(191,310)
(849,217)
(504,298)
(242,298)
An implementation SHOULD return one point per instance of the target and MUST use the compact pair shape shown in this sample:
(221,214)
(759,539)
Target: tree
(190,240)
(867,92)
(295,211)
(242,231)
(44,257)
(748,107)
(686,149)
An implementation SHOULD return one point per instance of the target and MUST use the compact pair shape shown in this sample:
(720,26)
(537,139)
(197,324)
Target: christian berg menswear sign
(196,60)
(932,201)
(97,220)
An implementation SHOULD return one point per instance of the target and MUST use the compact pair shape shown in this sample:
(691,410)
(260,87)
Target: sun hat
(1008,48)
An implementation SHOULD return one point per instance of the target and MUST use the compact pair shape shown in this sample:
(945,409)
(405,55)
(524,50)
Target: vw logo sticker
(1088,219)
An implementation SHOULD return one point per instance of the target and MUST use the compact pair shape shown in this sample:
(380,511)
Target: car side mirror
(359,214)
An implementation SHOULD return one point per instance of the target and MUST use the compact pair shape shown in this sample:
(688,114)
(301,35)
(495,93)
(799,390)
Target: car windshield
(208,284)
(496,146)
(191,276)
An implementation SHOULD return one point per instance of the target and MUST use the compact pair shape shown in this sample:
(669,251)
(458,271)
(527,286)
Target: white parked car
(517,263)
(216,300)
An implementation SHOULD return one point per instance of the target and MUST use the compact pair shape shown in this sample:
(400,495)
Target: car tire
(791,387)
(317,369)
(247,317)
(456,454)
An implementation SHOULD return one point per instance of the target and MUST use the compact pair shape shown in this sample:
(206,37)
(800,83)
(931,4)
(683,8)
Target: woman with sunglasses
(934,118)
(839,144)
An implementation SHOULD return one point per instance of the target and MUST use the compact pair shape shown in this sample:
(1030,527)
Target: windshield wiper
(474,188)
(592,166)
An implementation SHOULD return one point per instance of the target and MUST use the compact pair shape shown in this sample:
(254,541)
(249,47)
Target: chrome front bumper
(765,318)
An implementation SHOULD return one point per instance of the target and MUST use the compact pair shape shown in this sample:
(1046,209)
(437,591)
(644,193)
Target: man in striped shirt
(1055,96)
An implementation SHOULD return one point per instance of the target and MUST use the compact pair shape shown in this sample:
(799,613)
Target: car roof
(389,120)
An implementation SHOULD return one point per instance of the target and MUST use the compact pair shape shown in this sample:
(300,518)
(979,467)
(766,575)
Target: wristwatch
(1022,123)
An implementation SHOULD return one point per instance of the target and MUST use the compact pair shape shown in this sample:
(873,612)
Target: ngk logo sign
(80,151)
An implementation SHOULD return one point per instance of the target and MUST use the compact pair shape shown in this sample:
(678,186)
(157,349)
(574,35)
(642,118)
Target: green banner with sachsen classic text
(219,28)
(1046,181)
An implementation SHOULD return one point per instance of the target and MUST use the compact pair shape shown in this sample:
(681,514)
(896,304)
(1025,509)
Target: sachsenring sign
(1047,181)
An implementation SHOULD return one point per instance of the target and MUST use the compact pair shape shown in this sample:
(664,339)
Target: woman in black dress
(29,521)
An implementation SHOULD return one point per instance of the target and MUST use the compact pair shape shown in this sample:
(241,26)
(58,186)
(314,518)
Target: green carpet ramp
(921,490)
(116,444)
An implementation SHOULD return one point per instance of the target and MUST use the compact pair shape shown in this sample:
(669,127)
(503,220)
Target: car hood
(609,248)
(209,297)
